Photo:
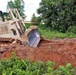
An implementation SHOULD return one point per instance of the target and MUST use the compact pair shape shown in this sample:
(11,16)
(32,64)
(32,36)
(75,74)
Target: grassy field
(52,34)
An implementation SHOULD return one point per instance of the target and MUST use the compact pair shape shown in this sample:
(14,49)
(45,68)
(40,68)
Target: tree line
(58,14)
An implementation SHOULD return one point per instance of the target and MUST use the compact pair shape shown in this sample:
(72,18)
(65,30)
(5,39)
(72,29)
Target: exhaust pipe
(2,15)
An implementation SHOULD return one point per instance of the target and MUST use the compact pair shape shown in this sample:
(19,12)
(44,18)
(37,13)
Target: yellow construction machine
(14,29)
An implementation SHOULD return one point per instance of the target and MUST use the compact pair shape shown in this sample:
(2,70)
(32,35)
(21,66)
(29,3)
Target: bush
(15,66)
(72,29)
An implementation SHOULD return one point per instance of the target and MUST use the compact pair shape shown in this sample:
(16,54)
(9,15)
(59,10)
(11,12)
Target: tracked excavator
(13,30)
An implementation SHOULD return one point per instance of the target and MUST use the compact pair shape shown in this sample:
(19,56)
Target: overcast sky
(30,7)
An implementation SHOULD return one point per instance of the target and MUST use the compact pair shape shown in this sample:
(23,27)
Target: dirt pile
(59,51)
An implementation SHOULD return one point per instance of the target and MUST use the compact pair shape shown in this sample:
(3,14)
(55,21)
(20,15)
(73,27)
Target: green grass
(52,34)
(55,34)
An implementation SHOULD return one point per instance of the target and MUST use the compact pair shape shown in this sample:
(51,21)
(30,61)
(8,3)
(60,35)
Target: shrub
(72,29)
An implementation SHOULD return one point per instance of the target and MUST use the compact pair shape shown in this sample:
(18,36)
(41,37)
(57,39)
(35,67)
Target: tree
(58,14)
(48,11)
(35,20)
(19,4)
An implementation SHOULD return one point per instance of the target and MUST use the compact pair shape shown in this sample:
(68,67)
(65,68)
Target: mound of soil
(59,51)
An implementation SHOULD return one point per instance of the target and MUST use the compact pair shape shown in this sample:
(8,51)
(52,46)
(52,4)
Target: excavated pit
(59,51)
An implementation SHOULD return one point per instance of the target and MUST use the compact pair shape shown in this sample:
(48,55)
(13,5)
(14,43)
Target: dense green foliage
(14,66)
(19,4)
(58,14)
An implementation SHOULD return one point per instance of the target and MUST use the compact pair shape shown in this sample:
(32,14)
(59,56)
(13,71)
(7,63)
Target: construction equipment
(14,29)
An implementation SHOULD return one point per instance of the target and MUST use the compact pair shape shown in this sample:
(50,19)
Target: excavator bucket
(33,36)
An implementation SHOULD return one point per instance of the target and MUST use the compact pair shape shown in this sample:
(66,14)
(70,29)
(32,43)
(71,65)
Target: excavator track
(9,40)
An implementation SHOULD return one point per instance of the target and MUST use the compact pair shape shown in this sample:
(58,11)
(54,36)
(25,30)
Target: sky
(30,7)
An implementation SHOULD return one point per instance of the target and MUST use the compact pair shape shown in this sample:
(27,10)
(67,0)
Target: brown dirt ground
(59,51)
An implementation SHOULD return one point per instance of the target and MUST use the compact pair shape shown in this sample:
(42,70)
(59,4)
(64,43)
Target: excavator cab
(14,28)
